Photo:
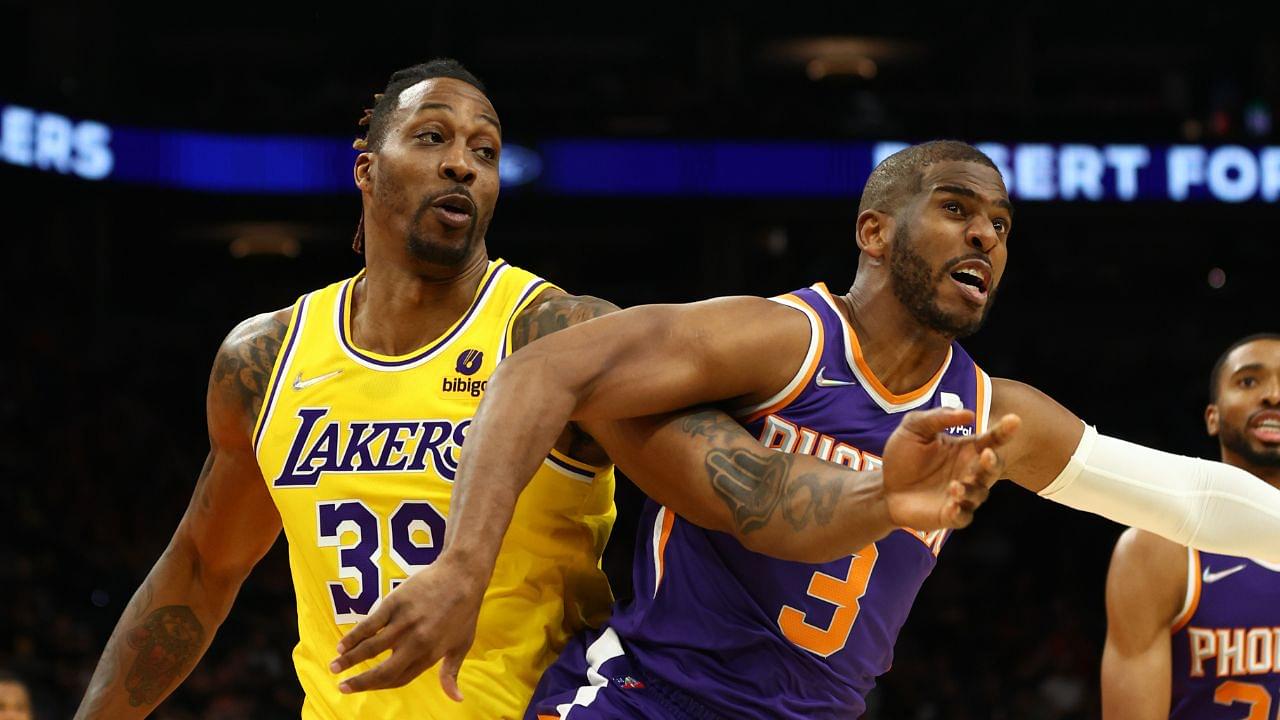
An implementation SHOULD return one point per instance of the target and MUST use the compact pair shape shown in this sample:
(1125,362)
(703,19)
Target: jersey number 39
(359,559)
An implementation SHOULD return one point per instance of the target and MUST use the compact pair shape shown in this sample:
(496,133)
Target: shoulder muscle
(241,371)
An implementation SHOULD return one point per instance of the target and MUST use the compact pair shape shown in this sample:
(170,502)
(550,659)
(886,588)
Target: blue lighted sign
(288,164)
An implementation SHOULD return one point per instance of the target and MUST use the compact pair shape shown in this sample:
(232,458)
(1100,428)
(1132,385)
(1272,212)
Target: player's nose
(1271,390)
(981,234)
(456,165)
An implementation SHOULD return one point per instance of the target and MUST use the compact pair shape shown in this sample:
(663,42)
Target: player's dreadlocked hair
(898,176)
(1215,375)
(378,118)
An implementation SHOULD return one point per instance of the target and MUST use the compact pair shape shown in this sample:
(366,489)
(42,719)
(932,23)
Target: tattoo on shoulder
(245,360)
(556,313)
(755,483)
(166,642)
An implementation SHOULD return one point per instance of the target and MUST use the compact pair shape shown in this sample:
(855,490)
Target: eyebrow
(1251,367)
(969,193)
(445,106)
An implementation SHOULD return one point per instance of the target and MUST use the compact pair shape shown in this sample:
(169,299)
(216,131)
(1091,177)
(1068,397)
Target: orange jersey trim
(870,376)
(1193,583)
(662,531)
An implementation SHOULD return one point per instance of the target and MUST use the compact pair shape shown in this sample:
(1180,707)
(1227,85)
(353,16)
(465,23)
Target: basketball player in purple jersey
(1194,634)
(717,629)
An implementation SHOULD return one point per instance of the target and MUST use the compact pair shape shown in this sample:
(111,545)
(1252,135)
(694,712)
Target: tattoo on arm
(167,641)
(556,313)
(551,315)
(755,483)
(244,364)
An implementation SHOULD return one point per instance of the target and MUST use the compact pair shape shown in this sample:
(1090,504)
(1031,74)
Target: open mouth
(454,210)
(1266,427)
(974,279)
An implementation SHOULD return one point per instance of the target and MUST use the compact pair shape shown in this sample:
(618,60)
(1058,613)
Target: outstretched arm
(1203,504)
(702,465)
(707,469)
(228,526)
(641,361)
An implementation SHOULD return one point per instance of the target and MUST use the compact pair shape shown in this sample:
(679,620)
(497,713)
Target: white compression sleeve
(1206,505)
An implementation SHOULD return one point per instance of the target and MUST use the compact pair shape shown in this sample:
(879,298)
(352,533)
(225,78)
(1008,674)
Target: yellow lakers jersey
(359,451)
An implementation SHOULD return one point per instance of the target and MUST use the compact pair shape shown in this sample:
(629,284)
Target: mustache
(458,189)
(981,257)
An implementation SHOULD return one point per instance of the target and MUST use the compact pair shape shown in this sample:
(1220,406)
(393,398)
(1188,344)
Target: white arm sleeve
(1203,504)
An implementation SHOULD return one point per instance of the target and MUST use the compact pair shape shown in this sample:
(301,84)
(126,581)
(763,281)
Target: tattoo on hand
(754,484)
(166,643)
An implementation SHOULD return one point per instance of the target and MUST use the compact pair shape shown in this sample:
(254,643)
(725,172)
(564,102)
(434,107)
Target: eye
(1001,225)
(953,206)
(1247,381)
(431,136)
(487,153)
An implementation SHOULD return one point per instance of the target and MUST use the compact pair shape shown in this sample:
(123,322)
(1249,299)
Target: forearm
(1203,504)
(707,469)
(163,632)
(819,512)
(526,406)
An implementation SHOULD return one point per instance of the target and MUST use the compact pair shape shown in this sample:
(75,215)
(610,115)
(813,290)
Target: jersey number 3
(359,558)
(1252,695)
(844,594)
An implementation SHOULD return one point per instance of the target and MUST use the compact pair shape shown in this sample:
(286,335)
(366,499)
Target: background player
(752,636)
(1194,634)
(340,420)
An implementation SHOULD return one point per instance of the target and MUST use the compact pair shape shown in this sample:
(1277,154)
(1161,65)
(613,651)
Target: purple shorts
(595,679)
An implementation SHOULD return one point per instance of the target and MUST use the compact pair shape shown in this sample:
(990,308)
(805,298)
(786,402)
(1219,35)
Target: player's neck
(903,353)
(396,309)
(1269,473)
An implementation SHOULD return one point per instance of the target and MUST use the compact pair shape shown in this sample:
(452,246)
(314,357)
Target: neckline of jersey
(378,361)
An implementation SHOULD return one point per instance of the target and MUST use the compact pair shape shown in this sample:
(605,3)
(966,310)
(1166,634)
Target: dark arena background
(167,174)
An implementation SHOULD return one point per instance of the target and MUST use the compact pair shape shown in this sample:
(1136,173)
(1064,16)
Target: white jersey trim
(803,372)
(605,648)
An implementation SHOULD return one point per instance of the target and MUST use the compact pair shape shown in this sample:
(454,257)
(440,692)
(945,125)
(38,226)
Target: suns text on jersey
(1235,651)
(369,446)
(782,434)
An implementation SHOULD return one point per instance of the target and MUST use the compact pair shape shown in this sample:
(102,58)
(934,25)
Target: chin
(440,252)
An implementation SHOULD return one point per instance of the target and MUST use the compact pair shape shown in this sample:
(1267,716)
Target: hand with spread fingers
(430,617)
(935,480)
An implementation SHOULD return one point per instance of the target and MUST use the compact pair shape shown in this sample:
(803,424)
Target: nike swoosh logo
(823,382)
(1213,577)
(299,383)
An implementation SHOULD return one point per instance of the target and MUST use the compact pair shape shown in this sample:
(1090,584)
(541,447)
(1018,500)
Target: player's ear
(874,230)
(363,170)
(1211,420)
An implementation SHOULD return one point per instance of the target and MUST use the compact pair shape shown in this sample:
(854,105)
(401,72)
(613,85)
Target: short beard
(439,253)
(916,287)
(1235,440)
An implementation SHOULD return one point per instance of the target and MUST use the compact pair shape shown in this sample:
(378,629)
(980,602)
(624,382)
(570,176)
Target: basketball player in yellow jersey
(340,420)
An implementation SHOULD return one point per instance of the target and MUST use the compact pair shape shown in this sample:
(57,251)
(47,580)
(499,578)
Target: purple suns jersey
(1226,641)
(752,636)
